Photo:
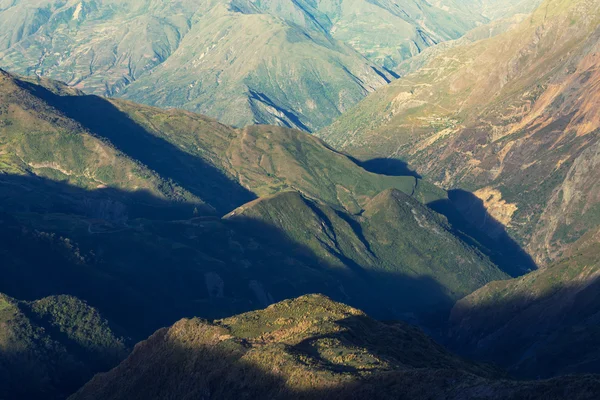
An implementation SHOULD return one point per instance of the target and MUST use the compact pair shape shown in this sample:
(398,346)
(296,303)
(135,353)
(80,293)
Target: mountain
(113,143)
(542,324)
(123,205)
(482,32)
(297,64)
(309,347)
(496,115)
(50,347)
(490,9)
(403,252)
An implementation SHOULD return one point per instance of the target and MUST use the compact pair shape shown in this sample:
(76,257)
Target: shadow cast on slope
(50,365)
(381,293)
(387,166)
(147,290)
(469,219)
(149,271)
(104,120)
(534,333)
(472,223)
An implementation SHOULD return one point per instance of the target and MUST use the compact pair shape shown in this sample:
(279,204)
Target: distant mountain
(309,348)
(543,324)
(489,9)
(50,347)
(297,64)
(512,118)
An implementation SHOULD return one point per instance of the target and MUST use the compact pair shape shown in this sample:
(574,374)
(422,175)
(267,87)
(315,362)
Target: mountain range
(297,64)
(430,170)
(152,215)
(492,122)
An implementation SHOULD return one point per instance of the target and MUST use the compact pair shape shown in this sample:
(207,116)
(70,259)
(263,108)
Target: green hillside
(129,198)
(50,347)
(105,143)
(398,249)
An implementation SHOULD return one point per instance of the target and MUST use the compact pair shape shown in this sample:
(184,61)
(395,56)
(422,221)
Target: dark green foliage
(50,347)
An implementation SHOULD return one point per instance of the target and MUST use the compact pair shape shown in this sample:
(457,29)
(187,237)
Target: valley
(311,199)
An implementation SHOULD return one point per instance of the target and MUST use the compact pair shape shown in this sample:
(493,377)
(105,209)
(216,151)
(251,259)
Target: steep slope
(482,32)
(398,250)
(50,347)
(108,143)
(496,115)
(308,348)
(38,138)
(385,32)
(121,204)
(297,64)
(256,68)
(543,324)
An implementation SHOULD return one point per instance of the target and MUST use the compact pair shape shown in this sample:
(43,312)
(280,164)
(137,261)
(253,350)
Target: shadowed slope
(50,347)
(174,154)
(402,253)
(542,324)
(101,118)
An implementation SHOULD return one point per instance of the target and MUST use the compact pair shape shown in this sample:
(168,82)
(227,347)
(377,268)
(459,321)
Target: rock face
(308,348)
(515,114)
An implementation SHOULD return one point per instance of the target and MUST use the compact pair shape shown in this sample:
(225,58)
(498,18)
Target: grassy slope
(50,347)
(137,148)
(308,348)
(400,250)
(33,130)
(169,257)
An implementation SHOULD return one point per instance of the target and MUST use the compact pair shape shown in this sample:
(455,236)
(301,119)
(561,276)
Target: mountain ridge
(309,347)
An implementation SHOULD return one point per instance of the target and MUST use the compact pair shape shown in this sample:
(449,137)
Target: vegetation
(402,258)
(309,348)
(471,117)
(296,64)
(127,197)
(50,347)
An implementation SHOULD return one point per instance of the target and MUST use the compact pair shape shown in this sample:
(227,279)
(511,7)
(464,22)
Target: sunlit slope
(55,132)
(497,116)
(309,348)
(297,64)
